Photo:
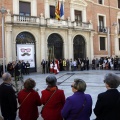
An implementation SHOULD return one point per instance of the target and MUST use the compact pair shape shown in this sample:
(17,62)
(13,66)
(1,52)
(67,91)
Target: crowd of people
(16,68)
(103,63)
(55,106)
(54,66)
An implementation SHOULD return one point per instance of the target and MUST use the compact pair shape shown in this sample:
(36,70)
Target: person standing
(8,101)
(56,70)
(29,101)
(108,103)
(53,100)
(23,67)
(27,67)
(51,67)
(79,105)
(87,63)
(43,63)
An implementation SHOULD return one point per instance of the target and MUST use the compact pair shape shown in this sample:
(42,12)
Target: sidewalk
(93,79)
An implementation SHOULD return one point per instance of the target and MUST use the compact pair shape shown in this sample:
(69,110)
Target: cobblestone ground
(93,78)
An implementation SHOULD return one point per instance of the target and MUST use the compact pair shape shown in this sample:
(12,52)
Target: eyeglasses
(25,50)
(72,86)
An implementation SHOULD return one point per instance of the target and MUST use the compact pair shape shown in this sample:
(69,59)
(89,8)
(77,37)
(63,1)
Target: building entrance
(25,49)
(79,47)
(55,46)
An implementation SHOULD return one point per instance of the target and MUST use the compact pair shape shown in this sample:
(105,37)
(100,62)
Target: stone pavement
(93,79)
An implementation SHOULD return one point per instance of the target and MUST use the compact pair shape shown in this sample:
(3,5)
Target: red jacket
(52,110)
(29,109)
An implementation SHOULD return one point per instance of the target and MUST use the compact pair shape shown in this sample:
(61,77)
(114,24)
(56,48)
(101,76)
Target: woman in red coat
(29,101)
(53,100)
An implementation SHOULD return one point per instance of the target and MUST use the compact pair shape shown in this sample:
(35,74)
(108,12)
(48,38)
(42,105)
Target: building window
(119,43)
(119,26)
(52,11)
(118,3)
(102,43)
(100,1)
(78,17)
(101,23)
(24,8)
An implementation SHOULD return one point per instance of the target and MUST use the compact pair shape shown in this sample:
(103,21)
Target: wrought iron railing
(102,29)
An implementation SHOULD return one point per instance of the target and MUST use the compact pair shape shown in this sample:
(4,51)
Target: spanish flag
(57,11)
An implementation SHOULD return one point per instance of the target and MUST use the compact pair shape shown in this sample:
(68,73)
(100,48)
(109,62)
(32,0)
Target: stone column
(8,43)
(42,43)
(84,15)
(70,44)
(116,41)
(38,60)
(33,8)
(65,50)
(91,47)
(47,12)
(72,16)
(16,7)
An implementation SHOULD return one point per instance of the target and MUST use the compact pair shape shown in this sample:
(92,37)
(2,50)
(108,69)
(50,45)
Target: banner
(57,11)
(26,53)
(61,9)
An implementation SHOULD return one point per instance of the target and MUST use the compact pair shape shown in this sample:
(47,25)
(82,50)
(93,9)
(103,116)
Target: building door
(79,47)
(25,49)
(55,46)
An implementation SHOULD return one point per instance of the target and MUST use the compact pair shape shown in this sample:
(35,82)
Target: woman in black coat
(108,103)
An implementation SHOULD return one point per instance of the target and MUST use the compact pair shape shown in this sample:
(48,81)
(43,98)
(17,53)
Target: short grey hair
(112,80)
(6,76)
(51,80)
(79,85)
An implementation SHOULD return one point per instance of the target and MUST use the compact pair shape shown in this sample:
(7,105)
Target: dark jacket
(108,105)
(8,100)
(74,104)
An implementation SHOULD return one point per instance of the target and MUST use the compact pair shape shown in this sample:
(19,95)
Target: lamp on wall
(3,11)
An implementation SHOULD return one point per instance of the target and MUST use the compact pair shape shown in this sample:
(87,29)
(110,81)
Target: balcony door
(78,17)
(101,23)
(55,46)
(24,8)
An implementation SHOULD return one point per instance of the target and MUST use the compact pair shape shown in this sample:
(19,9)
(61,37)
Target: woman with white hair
(108,103)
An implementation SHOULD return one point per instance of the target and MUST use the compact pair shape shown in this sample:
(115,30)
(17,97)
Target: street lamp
(3,11)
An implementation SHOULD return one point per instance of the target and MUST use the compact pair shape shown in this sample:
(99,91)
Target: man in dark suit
(43,63)
(108,103)
(8,102)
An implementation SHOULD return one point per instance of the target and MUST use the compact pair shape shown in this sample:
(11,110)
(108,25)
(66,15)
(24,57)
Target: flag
(57,11)
(61,9)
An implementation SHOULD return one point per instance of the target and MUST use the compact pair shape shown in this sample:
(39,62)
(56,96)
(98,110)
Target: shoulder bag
(24,100)
(48,101)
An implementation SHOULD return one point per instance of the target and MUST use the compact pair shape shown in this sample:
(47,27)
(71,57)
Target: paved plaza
(93,79)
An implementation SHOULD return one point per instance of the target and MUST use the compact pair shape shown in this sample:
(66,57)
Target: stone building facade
(88,28)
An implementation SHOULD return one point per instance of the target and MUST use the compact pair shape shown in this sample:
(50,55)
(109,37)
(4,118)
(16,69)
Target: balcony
(41,21)
(102,29)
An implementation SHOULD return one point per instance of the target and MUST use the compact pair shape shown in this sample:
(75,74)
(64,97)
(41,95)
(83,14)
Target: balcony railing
(47,22)
(102,29)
